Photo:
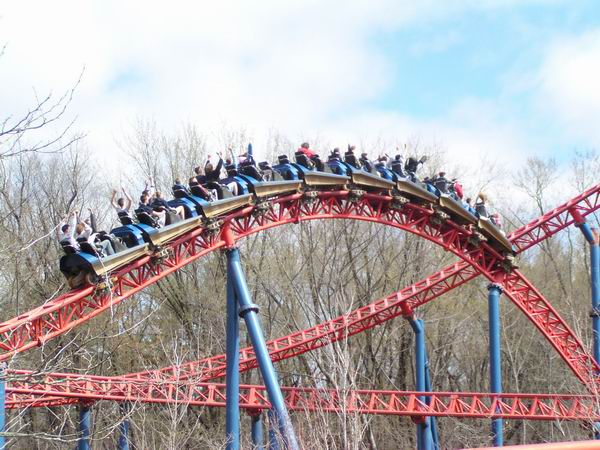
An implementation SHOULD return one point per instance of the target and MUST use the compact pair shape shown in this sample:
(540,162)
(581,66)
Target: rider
(305,148)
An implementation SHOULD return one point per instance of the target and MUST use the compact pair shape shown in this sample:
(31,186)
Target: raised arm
(128,197)
(112,199)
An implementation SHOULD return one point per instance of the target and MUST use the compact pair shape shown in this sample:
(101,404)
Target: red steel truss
(413,218)
(448,404)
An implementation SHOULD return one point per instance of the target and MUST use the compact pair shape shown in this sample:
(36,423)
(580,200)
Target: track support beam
(232,377)
(85,426)
(256,429)
(425,434)
(591,236)
(249,312)
(494,293)
(123,443)
(2,405)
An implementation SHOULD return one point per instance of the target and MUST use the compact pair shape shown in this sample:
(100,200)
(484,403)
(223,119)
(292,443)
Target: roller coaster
(289,193)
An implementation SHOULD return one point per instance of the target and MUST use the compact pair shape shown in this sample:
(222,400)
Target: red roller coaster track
(66,312)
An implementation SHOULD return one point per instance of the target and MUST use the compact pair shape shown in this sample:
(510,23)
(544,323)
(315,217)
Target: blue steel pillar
(423,425)
(257,430)
(2,405)
(494,292)
(273,431)
(232,378)
(85,425)
(591,236)
(249,312)
(123,443)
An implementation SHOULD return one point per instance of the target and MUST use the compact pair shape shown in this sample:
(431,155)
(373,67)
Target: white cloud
(304,67)
(569,85)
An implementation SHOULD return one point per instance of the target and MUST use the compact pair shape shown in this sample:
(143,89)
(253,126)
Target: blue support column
(423,426)
(249,312)
(232,378)
(591,237)
(123,443)
(2,405)
(85,425)
(257,430)
(435,443)
(273,431)
(494,292)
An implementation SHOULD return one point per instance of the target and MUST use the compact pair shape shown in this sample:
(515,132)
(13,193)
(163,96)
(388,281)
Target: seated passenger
(158,203)
(412,165)
(66,232)
(458,189)
(441,183)
(305,149)
(303,160)
(85,233)
(480,205)
(350,158)
(496,220)
(198,190)
(158,218)
(335,154)
(120,205)
(200,178)
(366,163)
(179,188)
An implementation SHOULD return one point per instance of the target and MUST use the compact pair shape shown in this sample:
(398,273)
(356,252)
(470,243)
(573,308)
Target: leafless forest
(300,275)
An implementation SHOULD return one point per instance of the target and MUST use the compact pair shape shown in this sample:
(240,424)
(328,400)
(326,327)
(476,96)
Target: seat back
(179,193)
(125,218)
(231,170)
(145,218)
(264,165)
(303,160)
(283,159)
(199,191)
(67,247)
(397,168)
(441,184)
(481,209)
(350,158)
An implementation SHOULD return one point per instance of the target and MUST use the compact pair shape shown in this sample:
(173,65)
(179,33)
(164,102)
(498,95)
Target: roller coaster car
(359,177)
(268,173)
(415,191)
(81,267)
(459,213)
(216,208)
(312,178)
(496,237)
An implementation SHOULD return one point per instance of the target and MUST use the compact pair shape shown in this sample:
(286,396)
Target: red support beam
(381,402)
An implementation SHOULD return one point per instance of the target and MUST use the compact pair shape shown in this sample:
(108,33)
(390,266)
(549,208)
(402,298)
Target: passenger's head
(364,155)
(198,170)
(192,181)
(468,200)
(144,199)
(482,197)
(351,148)
(442,174)
(305,145)
(157,194)
(208,167)
(121,202)
(79,228)
(65,228)
(398,157)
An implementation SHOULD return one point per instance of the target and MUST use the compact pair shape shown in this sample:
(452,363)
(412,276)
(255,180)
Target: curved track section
(520,291)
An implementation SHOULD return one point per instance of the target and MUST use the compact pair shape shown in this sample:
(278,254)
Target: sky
(483,78)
